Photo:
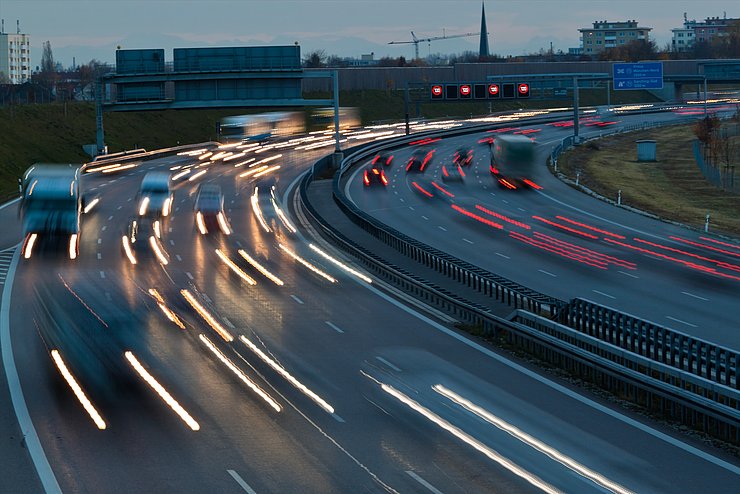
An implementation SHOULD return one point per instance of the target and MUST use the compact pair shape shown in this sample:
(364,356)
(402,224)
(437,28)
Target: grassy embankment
(672,187)
(55,133)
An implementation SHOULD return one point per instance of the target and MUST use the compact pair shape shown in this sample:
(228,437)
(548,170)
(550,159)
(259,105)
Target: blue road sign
(647,75)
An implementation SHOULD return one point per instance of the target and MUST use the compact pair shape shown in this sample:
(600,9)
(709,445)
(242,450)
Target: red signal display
(437,91)
(522,90)
(493,91)
(465,91)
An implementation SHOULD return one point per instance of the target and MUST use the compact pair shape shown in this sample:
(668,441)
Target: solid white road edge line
(40,462)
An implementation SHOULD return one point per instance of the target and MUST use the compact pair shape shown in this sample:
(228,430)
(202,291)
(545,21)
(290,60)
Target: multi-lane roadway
(310,379)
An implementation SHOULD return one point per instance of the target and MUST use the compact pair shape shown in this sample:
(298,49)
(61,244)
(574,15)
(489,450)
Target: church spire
(483,51)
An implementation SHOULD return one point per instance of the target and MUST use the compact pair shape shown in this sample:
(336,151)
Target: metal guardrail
(682,377)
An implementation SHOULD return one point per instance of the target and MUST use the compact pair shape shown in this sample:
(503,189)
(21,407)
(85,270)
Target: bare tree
(315,59)
(47,58)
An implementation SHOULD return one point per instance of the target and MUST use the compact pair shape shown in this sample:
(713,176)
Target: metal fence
(722,177)
(687,379)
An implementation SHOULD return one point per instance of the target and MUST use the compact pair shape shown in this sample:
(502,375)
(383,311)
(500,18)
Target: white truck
(50,207)
(512,160)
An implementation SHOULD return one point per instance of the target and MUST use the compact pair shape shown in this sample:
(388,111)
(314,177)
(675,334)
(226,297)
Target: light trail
(121,167)
(531,441)
(233,368)
(292,380)
(127,249)
(245,162)
(207,316)
(307,264)
(340,264)
(223,224)
(266,171)
(143,206)
(29,246)
(259,267)
(157,229)
(155,247)
(205,155)
(167,312)
(159,389)
(181,174)
(236,269)
(73,246)
(199,174)
(252,171)
(201,224)
(283,217)
(91,205)
(469,440)
(167,207)
(77,389)
(257,211)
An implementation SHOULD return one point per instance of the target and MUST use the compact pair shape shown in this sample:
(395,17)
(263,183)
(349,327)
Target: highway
(321,383)
(560,241)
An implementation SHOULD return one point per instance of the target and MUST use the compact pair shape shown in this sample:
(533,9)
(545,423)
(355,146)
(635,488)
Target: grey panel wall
(230,89)
(237,58)
(149,91)
(146,61)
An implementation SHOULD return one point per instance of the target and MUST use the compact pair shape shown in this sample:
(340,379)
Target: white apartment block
(15,57)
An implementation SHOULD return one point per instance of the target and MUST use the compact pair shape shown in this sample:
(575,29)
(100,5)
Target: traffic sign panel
(437,91)
(465,91)
(494,91)
(647,75)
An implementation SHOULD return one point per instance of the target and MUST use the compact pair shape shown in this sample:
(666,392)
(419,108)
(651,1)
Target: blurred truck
(50,207)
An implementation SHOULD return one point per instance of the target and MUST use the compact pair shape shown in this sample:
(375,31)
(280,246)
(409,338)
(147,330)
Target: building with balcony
(15,58)
(604,35)
(693,32)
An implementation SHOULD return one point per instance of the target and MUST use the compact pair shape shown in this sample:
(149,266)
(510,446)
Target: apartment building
(692,31)
(605,34)
(15,57)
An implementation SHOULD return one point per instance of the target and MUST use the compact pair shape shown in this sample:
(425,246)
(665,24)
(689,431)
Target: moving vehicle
(260,126)
(143,240)
(374,174)
(382,159)
(50,206)
(155,195)
(209,210)
(453,173)
(419,160)
(463,156)
(512,160)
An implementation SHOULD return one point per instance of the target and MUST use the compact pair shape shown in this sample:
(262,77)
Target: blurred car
(419,160)
(463,156)
(452,173)
(374,175)
(209,210)
(382,159)
(143,240)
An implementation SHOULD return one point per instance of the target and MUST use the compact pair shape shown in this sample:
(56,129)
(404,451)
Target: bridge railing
(687,379)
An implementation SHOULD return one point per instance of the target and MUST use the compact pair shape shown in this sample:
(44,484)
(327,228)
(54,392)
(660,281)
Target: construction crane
(416,40)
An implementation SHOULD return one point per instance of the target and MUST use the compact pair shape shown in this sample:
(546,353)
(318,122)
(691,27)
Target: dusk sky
(92,29)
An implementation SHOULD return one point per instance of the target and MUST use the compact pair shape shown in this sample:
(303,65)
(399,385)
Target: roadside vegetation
(672,188)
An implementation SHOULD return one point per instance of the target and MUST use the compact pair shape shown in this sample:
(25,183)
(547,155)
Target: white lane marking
(10,202)
(493,194)
(381,359)
(682,322)
(110,218)
(28,431)
(105,227)
(169,229)
(177,256)
(119,208)
(442,228)
(100,240)
(696,296)
(424,217)
(522,209)
(189,275)
(100,256)
(502,255)
(102,274)
(402,199)
(334,327)
(604,294)
(108,297)
(423,482)
(241,482)
(558,387)
(128,200)
(337,418)
(238,244)
(228,323)
(412,208)
(468,241)
(297,299)
(629,274)
(177,209)
(547,273)
(172,242)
